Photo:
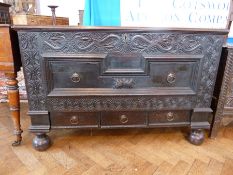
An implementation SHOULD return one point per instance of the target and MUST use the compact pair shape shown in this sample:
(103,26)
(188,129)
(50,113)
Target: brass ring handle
(124,119)
(75,78)
(171,77)
(170,116)
(74,120)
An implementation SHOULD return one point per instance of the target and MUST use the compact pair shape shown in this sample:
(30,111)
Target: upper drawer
(131,71)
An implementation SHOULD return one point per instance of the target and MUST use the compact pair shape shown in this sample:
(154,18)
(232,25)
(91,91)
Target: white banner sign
(175,13)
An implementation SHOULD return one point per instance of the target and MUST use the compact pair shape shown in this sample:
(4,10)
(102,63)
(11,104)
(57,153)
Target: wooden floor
(131,151)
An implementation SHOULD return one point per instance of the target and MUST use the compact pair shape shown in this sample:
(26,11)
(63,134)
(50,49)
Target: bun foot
(41,142)
(196,136)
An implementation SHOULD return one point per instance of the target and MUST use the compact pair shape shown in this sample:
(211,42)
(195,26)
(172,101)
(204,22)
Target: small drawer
(32,21)
(74,120)
(169,118)
(123,119)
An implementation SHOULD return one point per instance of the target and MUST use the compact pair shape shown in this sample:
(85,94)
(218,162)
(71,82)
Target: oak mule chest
(119,77)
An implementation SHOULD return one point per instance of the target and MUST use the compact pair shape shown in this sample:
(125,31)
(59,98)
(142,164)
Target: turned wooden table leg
(14,104)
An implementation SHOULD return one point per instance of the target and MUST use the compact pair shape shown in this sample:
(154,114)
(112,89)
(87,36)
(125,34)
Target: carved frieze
(101,42)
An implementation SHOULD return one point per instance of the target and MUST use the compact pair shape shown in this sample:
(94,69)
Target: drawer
(169,118)
(123,119)
(31,20)
(74,119)
(74,74)
(155,73)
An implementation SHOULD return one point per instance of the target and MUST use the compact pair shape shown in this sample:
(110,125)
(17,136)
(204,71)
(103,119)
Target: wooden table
(9,64)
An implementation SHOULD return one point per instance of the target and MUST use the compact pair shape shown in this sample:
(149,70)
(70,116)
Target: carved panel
(209,69)
(101,42)
(120,103)
(32,71)
(33,44)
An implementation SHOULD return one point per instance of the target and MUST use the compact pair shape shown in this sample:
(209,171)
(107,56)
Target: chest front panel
(127,70)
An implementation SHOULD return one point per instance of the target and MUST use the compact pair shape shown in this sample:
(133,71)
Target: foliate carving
(117,103)
(81,42)
(123,83)
(167,43)
(33,44)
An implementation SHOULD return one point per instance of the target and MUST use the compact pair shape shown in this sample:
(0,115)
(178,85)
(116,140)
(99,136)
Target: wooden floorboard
(114,152)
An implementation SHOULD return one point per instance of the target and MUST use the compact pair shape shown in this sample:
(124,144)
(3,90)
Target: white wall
(67,8)
(175,13)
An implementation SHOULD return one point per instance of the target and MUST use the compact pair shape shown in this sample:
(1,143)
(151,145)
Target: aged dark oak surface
(119,77)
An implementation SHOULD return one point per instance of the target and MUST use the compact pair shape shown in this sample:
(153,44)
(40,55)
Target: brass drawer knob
(75,77)
(170,116)
(171,78)
(74,120)
(124,119)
